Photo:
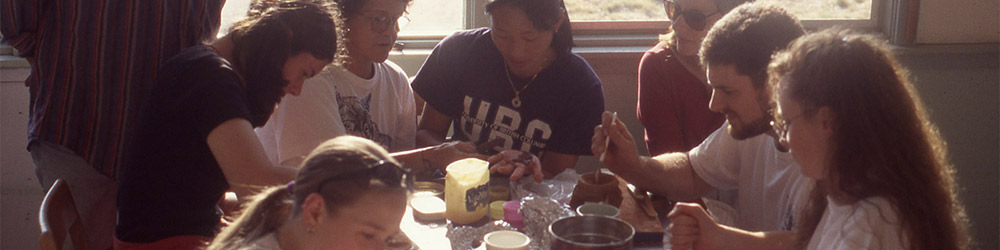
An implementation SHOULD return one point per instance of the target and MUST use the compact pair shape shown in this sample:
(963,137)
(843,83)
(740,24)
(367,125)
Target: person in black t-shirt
(194,139)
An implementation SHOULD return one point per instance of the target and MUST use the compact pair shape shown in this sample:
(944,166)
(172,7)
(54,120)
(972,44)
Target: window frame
(595,36)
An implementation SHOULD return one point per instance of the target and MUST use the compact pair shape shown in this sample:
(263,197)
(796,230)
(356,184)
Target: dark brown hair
(321,173)
(883,145)
(544,15)
(746,38)
(272,32)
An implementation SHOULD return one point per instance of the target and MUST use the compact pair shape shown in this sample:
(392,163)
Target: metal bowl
(429,188)
(591,232)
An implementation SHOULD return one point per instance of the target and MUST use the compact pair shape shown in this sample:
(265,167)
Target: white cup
(599,209)
(506,240)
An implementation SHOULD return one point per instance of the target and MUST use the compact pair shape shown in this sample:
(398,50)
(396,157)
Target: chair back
(58,219)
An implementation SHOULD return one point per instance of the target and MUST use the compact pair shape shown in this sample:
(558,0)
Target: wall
(960,89)
(20,193)
(958,21)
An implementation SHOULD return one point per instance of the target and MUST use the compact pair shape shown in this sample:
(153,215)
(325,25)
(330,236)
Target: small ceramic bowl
(506,240)
(599,209)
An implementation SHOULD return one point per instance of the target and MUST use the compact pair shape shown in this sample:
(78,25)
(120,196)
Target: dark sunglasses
(384,171)
(694,19)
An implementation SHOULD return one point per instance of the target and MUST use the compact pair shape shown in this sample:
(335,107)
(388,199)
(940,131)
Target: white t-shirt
(768,182)
(868,224)
(337,102)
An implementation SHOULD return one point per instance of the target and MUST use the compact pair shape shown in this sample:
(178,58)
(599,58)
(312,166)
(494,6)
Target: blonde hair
(883,145)
(321,173)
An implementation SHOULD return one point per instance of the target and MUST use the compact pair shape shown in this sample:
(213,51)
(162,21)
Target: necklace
(517,93)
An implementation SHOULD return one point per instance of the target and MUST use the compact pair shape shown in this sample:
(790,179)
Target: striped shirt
(92,61)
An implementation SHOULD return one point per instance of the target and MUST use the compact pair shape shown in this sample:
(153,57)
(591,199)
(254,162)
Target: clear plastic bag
(559,188)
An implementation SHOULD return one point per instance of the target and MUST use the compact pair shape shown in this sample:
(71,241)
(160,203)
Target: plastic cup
(506,240)
(599,209)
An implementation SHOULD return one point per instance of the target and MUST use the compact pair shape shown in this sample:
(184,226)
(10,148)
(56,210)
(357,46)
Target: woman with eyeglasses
(349,194)
(516,84)
(367,96)
(194,137)
(855,124)
(673,88)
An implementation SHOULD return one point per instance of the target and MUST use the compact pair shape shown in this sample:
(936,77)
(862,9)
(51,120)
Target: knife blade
(642,200)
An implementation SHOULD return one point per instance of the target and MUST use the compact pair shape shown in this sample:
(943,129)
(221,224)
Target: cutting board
(649,230)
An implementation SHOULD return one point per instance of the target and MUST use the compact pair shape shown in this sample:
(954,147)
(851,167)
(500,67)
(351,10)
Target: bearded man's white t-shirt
(768,183)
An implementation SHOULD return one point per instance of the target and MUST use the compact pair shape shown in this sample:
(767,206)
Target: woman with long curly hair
(852,120)
(860,130)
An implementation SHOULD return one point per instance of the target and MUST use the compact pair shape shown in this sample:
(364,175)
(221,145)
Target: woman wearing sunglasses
(368,96)
(515,83)
(673,89)
(349,194)
(850,117)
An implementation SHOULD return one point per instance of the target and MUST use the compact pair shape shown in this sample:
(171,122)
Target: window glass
(445,16)
(651,10)
(620,10)
(233,11)
(827,9)
(433,16)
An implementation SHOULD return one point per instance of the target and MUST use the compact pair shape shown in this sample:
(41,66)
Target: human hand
(446,153)
(517,164)
(692,228)
(613,140)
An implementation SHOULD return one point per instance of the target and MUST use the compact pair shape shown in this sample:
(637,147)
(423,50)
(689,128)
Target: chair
(58,218)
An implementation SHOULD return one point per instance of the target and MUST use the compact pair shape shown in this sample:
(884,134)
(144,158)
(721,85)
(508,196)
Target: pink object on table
(511,215)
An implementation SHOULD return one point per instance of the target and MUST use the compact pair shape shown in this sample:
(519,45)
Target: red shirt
(673,104)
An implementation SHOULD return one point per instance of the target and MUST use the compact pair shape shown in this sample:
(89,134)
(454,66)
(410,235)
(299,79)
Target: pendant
(516,102)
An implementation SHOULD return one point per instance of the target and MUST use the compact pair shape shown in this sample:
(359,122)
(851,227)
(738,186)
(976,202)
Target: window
(827,9)
(626,22)
(233,11)
(439,17)
(615,23)
(624,10)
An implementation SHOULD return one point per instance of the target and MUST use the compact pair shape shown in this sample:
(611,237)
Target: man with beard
(743,155)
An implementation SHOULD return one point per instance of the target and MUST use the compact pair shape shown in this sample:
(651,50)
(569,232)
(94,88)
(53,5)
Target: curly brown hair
(746,38)
(883,145)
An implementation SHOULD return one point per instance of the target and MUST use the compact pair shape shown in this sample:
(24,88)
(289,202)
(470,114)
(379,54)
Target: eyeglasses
(694,19)
(384,23)
(384,171)
(781,124)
